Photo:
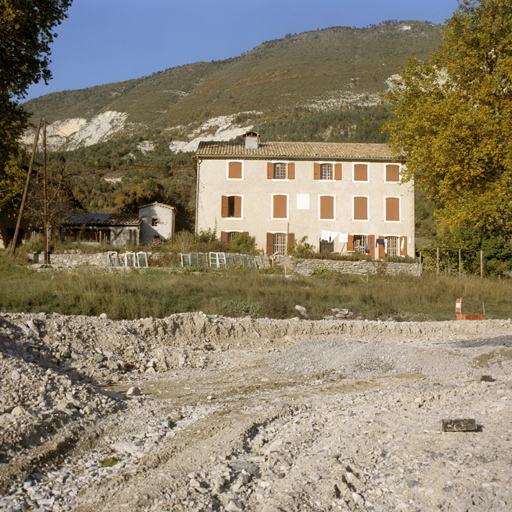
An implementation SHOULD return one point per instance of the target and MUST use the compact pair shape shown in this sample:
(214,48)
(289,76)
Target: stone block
(459,425)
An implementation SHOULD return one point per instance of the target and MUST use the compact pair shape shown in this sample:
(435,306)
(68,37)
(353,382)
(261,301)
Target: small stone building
(158,222)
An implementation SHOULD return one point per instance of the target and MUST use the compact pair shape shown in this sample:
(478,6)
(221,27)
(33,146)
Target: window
(280,171)
(279,245)
(234,170)
(392,209)
(361,172)
(360,208)
(279,206)
(228,236)
(302,201)
(392,173)
(231,206)
(326,171)
(154,221)
(326,207)
(392,247)
(360,243)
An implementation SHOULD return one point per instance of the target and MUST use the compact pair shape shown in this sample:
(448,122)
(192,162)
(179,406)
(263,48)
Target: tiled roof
(297,150)
(102,219)
(156,203)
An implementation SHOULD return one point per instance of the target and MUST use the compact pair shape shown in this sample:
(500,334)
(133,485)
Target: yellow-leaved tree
(453,119)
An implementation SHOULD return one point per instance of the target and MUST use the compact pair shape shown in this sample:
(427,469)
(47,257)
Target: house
(158,222)
(345,198)
(111,228)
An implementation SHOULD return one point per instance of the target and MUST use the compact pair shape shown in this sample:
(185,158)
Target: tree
(453,119)
(26,33)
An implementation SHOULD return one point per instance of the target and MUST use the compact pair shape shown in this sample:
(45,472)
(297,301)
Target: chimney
(252,140)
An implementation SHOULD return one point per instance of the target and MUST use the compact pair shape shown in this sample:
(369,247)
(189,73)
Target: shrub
(243,244)
(301,248)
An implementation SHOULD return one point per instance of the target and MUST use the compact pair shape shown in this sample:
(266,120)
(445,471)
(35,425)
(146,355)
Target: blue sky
(104,41)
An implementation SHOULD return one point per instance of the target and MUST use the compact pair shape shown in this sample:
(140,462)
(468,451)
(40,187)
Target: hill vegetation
(323,85)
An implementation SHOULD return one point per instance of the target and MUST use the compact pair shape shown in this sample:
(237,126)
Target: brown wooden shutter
(317,171)
(291,238)
(393,208)
(327,207)
(280,209)
(224,237)
(360,208)
(350,243)
(290,171)
(403,252)
(235,170)
(270,170)
(224,206)
(238,206)
(337,172)
(392,172)
(382,252)
(360,172)
(371,243)
(270,243)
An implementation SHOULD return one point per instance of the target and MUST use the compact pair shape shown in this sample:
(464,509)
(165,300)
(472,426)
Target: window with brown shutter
(393,209)
(360,208)
(350,243)
(316,171)
(270,170)
(290,171)
(270,243)
(279,171)
(327,207)
(337,172)
(231,206)
(279,206)
(235,170)
(392,172)
(360,172)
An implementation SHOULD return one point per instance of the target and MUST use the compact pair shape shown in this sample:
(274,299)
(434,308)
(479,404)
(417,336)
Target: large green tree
(453,119)
(26,33)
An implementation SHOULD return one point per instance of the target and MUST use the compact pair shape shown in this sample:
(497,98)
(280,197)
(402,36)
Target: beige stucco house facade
(343,197)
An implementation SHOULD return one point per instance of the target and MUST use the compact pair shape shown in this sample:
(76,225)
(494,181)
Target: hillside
(131,142)
(324,70)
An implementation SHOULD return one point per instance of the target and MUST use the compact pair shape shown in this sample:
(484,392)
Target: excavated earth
(195,412)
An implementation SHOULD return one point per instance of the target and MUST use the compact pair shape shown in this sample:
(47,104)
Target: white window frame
(334,206)
(358,250)
(354,171)
(285,240)
(399,173)
(397,244)
(367,208)
(399,209)
(286,162)
(241,207)
(227,170)
(272,205)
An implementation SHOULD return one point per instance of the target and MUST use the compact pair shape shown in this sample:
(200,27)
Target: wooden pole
(447,263)
(25,192)
(45,199)
(460,263)
(481,264)
(437,261)
(421,264)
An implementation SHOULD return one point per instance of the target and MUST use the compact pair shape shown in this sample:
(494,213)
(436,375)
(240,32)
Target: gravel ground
(196,412)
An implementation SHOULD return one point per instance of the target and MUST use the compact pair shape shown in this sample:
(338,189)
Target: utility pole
(25,192)
(45,199)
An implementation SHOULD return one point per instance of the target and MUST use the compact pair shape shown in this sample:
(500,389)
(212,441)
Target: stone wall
(362,267)
(71,259)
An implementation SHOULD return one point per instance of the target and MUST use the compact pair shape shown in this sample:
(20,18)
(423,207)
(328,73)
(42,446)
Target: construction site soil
(198,413)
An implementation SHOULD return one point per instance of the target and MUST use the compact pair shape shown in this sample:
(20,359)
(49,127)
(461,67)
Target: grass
(156,293)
